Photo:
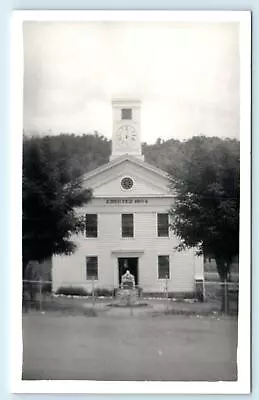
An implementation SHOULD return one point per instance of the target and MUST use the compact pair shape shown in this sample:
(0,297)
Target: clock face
(126,134)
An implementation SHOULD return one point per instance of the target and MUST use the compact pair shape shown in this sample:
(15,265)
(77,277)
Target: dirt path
(117,346)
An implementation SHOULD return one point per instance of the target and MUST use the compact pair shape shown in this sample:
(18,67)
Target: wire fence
(226,293)
(209,296)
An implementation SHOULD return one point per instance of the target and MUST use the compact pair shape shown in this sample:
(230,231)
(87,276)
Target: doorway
(128,263)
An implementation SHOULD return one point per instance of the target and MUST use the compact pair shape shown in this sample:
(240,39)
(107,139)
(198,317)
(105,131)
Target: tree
(163,154)
(88,151)
(206,210)
(51,193)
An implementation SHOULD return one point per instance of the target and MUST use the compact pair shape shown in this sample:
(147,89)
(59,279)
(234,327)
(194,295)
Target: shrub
(181,295)
(171,295)
(199,290)
(72,291)
(100,292)
(114,292)
(46,288)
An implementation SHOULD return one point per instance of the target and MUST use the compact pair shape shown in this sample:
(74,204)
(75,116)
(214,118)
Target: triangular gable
(121,160)
(148,180)
(141,187)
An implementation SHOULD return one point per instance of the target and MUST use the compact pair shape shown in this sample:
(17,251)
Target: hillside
(87,152)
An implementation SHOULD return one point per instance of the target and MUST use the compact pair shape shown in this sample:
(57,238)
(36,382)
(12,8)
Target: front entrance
(128,263)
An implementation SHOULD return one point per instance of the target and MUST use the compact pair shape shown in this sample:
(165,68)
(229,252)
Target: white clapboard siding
(145,245)
(137,172)
(151,186)
(140,187)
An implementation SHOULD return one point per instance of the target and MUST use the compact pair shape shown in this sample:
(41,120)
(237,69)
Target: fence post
(93,293)
(226,296)
(131,305)
(166,292)
(40,295)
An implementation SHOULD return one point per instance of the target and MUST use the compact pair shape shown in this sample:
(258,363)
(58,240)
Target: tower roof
(120,102)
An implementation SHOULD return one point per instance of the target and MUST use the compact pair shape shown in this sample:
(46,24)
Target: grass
(119,346)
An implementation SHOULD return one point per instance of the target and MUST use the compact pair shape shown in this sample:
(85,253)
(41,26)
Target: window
(91,268)
(91,225)
(163,267)
(126,183)
(162,225)
(126,113)
(127,228)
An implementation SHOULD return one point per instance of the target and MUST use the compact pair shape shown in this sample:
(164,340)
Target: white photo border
(243,384)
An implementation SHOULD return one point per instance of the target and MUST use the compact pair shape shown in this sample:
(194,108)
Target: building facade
(127,222)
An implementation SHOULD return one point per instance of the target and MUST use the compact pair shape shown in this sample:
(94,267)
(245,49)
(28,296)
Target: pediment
(147,180)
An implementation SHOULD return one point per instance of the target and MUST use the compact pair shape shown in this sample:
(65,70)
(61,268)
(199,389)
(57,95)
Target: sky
(185,74)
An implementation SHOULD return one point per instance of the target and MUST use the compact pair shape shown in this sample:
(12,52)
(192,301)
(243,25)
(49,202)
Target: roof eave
(119,160)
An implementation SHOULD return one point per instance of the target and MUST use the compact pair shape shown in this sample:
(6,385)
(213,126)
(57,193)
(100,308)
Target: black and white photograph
(131,268)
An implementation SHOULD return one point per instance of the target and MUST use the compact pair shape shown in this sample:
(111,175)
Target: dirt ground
(120,346)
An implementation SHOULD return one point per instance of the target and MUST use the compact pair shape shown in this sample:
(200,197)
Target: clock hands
(125,133)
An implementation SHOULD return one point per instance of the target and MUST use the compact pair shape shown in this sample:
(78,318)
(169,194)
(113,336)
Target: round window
(126,183)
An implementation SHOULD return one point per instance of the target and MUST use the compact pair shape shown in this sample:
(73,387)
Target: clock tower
(126,128)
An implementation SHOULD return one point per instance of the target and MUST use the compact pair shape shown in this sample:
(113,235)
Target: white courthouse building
(127,222)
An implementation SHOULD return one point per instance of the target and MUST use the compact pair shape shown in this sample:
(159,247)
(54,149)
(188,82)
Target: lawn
(119,346)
